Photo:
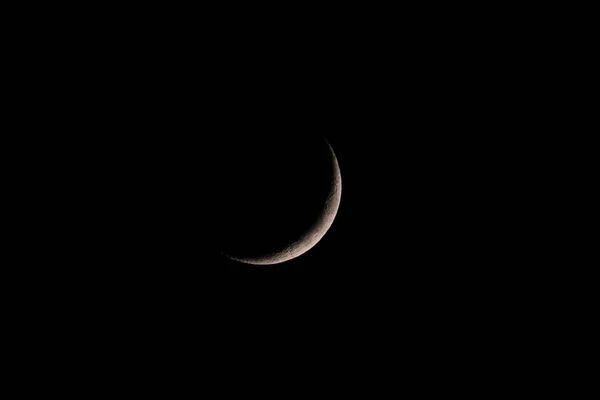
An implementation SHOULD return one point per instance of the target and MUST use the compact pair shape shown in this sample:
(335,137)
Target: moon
(317,228)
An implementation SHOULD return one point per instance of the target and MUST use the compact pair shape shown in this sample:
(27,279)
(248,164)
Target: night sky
(140,134)
(413,205)
(416,253)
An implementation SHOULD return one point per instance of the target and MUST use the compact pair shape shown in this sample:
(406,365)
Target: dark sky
(136,127)
(411,244)
(413,200)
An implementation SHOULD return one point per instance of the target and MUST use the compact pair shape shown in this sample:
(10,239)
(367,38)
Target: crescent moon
(315,233)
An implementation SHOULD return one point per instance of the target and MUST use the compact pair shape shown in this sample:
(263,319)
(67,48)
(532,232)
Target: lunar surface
(317,225)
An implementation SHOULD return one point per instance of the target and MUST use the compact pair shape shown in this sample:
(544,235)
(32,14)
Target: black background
(413,140)
(412,228)
(421,256)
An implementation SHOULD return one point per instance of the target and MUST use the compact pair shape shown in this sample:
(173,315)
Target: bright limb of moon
(315,233)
